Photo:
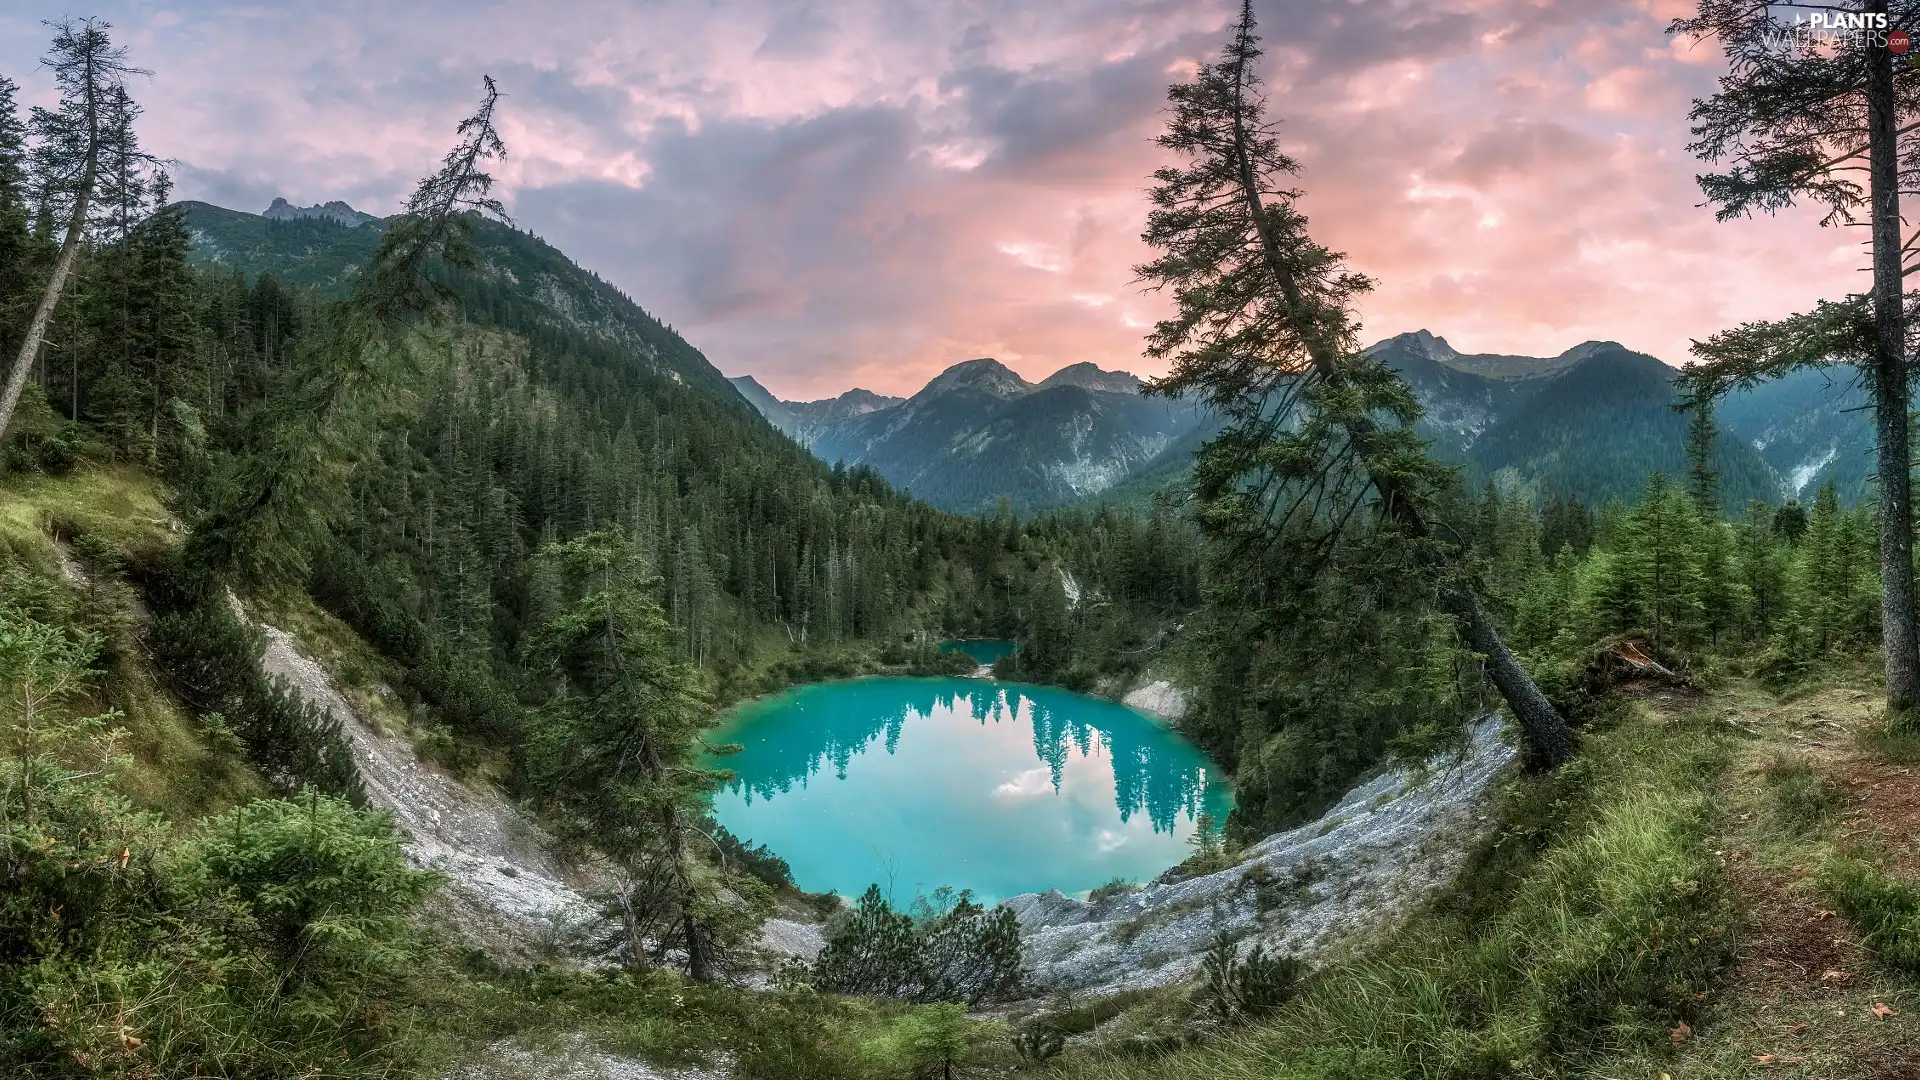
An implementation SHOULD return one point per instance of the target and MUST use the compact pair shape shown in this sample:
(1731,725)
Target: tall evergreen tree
(616,750)
(1797,123)
(1703,480)
(1264,333)
(16,237)
(269,507)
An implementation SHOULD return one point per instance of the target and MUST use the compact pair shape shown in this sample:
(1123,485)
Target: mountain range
(978,431)
(1596,420)
(1592,422)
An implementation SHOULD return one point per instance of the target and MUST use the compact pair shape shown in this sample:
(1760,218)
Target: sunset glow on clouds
(863,192)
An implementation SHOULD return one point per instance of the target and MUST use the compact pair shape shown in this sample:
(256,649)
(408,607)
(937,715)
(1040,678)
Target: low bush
(1247,987)
(1885,908)
(964,953)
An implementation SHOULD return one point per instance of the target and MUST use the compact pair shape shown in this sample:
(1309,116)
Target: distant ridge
(335,211)
(978,432)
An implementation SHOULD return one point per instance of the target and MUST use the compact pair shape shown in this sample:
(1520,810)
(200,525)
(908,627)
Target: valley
(419,659)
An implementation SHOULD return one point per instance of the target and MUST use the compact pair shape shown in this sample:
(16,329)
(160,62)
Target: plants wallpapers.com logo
(1828,32)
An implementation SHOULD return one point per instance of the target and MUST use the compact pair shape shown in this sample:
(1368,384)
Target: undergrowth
(1595,919)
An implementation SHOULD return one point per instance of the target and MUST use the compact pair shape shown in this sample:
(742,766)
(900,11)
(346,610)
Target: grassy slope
(81,539)
(1656,910)
(86,530)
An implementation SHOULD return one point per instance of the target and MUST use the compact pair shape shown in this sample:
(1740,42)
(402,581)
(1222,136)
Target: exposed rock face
(978,431)
(508,893)
(1160,697)
(1385,847)
(569,1058)
(335,211)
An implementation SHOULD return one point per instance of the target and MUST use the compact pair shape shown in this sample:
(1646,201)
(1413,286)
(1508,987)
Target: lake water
(1002,788)
(982,650)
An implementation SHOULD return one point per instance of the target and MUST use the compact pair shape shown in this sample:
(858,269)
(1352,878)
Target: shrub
(274,940)
(964,954)
(1885,908)
(1244,988)
(1038,1043)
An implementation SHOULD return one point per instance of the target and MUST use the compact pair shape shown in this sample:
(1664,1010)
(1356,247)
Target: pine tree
(17,249)
(1762,573)
(1798,125)
(1703,480)
(1264,334)
(269,508)
(615,750)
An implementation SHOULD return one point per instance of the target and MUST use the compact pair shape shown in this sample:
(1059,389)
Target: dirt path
(1805,998)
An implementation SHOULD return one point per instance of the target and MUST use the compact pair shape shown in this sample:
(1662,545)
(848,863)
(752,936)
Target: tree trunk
(1889,378)
(43,315)
(699,951)
(1550,740)
(63,266)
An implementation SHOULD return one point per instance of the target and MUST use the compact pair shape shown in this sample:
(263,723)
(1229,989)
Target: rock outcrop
(1160,698)
(1387,845)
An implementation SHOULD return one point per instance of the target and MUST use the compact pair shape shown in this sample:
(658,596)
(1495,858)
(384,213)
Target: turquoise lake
(1001,788)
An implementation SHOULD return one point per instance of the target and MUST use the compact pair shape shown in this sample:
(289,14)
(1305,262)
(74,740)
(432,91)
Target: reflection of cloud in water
(1027,785)
(830,727)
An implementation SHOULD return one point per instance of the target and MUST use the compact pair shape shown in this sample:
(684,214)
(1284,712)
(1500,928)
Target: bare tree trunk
(1890,390)
(62,267)
(43,315)
(1551,741)
(699,949)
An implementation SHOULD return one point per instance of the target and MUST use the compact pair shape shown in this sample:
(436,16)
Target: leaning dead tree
(78,142)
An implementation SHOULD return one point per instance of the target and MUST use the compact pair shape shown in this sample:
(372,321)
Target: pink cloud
(863,192)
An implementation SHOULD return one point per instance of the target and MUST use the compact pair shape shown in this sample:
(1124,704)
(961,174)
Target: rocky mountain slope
(1594,419)
(1381,851)
(978,431)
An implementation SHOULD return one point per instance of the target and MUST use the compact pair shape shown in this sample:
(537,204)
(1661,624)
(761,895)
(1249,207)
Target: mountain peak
(335,211)
(1589,348)
(986,375)
(1089,376)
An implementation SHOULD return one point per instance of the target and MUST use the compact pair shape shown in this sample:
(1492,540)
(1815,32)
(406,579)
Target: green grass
(1885,908)
(113,520)
(1804,800)
(1591,924)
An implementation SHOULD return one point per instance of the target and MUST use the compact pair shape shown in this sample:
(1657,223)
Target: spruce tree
(17,249)
(1703,480)
(1263,333)
(615,752)
(1798,124)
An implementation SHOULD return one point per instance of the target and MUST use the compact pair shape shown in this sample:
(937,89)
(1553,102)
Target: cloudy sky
(861,192)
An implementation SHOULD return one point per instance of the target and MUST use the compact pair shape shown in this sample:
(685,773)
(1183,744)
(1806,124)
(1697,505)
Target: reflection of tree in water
(1151,772)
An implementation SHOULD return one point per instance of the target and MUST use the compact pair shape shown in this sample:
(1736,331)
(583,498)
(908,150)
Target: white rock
(1160,697)
(1389,843)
